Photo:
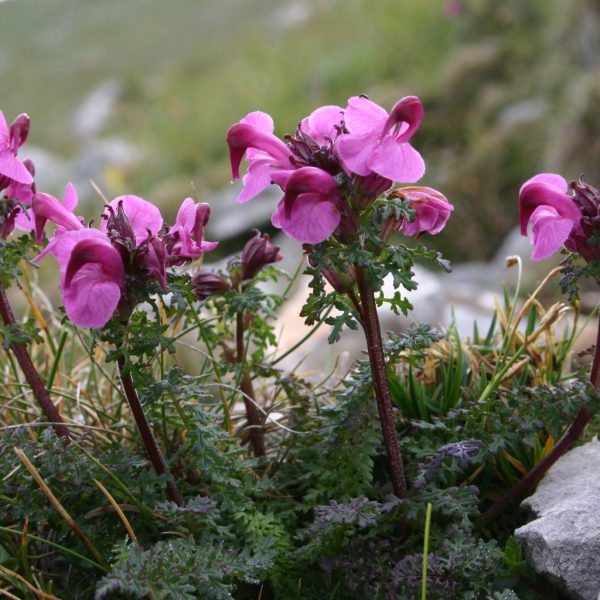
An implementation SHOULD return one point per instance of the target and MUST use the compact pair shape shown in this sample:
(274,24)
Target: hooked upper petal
(309,180)
(539,193)
(242,136)
(48,208)
(408,111)
(100,252)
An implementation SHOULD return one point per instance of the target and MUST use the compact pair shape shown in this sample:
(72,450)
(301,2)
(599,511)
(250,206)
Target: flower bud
(206,283)
(19,130)
(432,210)
(258,253)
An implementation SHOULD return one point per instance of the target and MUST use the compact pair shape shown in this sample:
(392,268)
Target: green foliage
(179,570)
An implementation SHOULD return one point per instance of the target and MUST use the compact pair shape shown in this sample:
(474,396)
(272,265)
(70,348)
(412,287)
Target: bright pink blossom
(543,201)
(184,239)
(379,143)
(11,139)
(145,219)
(92,276)
(431,207)
(93,262)
(265,153)
(47,208)
(310,209)
(324,124)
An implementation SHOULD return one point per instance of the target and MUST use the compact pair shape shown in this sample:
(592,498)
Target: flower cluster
(16,176)
(560,219)
(338,161)
(100,267)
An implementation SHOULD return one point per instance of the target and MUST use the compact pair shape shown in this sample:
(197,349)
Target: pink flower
(184,240)
(379,143)
(310,210)
(265,153)
(92,276)
(324,124)
(432,210)
(11,139)
(543,201)
(144,218)
(47,208)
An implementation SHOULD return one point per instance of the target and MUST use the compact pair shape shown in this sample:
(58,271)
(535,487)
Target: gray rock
(563,542)
(226,222)
(95,111)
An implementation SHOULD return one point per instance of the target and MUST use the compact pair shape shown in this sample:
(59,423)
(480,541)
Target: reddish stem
(370,323)
(154,453)
(582,418)
(252,412)
(33,379)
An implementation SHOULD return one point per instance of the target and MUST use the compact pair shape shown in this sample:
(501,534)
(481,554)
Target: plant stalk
(582,418)
(154,453)
(252,413)
(31,375)
(370,323)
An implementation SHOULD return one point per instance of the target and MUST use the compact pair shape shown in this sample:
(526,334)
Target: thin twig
(33,379)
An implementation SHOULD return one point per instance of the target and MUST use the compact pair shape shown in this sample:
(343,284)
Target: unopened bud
(258,253)
(206,283)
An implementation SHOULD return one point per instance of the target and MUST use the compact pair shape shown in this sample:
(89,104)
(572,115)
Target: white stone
(563,542)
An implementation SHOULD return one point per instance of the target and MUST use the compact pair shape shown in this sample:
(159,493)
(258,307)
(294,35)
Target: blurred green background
(138,94)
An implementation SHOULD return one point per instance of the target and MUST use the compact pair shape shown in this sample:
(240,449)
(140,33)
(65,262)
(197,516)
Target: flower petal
(13,168)
(355,152)
(311,220)
(143,216)
(91,299)
(399,162)
(363,116)
(407,113)
(48,208)
(322,124)
(549,232)
(554,179)
(242,136)
(539,193)
(256,180)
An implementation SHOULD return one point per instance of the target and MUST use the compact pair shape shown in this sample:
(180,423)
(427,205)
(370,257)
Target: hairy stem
(33,378)
(252,412)
(582,418)
(154,453)
(370,323)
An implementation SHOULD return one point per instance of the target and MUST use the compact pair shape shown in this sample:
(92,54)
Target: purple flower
(431,207)
(184,240)
(93,262)
(379,143)
(92,276)
(11,139)
(265,153)
(47,208)
(143,217)
(310,210)
(543,201)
